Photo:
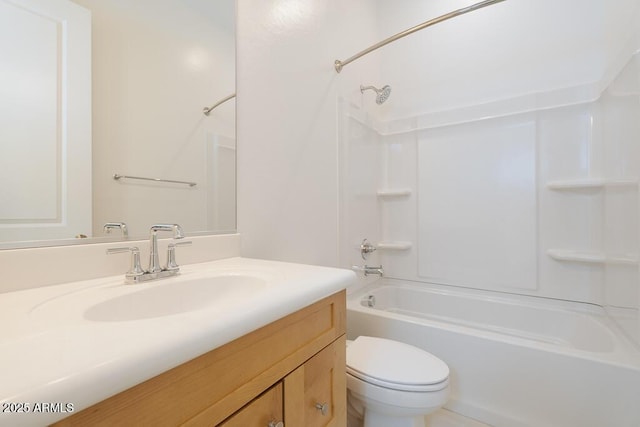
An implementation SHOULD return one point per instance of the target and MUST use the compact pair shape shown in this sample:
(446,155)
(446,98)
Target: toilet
(393,384)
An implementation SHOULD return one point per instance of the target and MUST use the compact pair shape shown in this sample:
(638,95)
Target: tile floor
(444,418)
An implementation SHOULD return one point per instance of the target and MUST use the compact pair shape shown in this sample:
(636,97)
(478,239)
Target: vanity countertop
(55,361)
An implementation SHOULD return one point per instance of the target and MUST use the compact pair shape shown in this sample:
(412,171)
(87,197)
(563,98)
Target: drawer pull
(323,408)
(276,424)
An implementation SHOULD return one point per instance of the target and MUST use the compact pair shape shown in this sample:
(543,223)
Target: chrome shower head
(381,94)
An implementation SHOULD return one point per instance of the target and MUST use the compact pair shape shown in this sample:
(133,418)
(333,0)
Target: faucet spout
(367,270)
(154,259)
(116,225)
(175,228)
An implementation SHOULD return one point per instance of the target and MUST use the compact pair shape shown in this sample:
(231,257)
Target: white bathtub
(515,360)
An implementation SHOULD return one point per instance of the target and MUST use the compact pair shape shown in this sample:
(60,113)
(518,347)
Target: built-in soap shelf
(394,246)
(394,192)
(595,183)
(591,257)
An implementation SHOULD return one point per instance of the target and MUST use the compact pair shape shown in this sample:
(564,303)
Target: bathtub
(515,360)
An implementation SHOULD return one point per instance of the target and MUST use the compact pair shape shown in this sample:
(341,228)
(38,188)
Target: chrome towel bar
(118,177)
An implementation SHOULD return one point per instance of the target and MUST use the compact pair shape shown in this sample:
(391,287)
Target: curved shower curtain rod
(339,64)
(207,110)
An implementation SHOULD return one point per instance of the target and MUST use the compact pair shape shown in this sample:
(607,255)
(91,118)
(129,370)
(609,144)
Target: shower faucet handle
(366,248)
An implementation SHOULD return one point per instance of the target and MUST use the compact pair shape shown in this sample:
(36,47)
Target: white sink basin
(174,298)
(116,302)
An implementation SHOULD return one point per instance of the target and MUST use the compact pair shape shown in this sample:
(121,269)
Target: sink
(86,340)
(116,302)
(175,298)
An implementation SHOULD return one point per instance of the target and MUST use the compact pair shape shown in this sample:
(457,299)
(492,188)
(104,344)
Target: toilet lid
(394,365)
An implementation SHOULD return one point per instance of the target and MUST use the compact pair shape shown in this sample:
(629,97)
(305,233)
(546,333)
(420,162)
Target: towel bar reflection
(117,177)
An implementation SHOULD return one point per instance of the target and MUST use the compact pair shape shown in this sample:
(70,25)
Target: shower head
(381,94)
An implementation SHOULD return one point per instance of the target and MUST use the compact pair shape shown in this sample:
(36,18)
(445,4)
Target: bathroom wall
(155,66)
(288,172)
(506,50)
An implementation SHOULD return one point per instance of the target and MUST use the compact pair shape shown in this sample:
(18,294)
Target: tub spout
(367,270)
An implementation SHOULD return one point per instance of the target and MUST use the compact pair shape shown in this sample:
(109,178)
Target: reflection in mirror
(98,88)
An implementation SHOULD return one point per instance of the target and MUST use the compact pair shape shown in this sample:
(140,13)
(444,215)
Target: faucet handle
(366,248)
(171,255)
(136,268)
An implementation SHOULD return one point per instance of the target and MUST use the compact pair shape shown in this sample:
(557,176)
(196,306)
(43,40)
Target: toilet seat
(395,365)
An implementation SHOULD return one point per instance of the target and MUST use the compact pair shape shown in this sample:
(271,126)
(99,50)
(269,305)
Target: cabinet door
(316,392)
(261,412)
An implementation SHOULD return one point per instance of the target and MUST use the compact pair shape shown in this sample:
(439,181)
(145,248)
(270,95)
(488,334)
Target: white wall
(509,49)
(287,100)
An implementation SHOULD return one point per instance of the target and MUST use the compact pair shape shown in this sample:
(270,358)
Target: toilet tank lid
(394,362)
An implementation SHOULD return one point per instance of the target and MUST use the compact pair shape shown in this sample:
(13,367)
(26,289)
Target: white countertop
(51,354)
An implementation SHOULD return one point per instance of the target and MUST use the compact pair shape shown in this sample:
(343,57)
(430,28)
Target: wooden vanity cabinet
(311,396)
(291,370)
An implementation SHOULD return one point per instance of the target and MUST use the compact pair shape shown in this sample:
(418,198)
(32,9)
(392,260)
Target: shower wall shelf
(397,192)
(591,183)
(591,257)
(394,246)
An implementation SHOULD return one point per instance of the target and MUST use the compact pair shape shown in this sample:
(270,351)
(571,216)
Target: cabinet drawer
(263,410)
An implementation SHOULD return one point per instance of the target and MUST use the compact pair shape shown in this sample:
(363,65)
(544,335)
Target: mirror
(101,119)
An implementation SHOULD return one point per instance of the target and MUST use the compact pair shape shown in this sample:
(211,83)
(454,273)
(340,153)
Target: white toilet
(392,384)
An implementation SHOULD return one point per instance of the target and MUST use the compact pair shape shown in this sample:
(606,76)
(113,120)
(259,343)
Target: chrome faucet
(367,270)
(136,274)
(365,249)
(154,259)
(116,226)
